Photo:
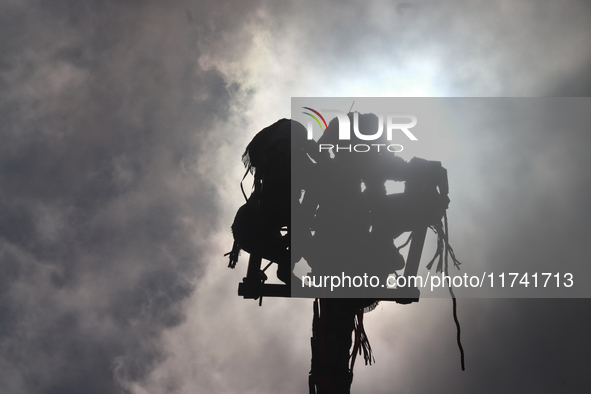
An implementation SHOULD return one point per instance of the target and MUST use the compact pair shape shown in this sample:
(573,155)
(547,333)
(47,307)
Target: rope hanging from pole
(443,253)
(448,252)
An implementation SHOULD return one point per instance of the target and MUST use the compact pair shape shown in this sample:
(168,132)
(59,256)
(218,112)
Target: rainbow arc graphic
(315,118)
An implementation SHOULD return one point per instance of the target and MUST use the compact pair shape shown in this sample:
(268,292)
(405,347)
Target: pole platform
(254,290)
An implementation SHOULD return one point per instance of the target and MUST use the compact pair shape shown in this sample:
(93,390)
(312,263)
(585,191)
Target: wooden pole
(332,329)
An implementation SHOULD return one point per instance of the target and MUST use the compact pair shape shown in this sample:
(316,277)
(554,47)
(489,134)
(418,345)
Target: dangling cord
(267,266)
(449,251)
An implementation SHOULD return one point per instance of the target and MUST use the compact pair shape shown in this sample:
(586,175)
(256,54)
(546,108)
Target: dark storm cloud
(103,109)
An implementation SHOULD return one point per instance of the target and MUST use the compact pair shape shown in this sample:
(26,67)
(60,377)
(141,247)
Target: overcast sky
(122,124)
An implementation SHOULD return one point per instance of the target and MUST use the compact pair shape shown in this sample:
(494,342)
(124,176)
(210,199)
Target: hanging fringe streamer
(233,254)
(444,249)
(362,344)
(439,250)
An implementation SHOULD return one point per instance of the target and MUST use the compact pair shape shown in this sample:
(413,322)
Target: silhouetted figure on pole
(346,221)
